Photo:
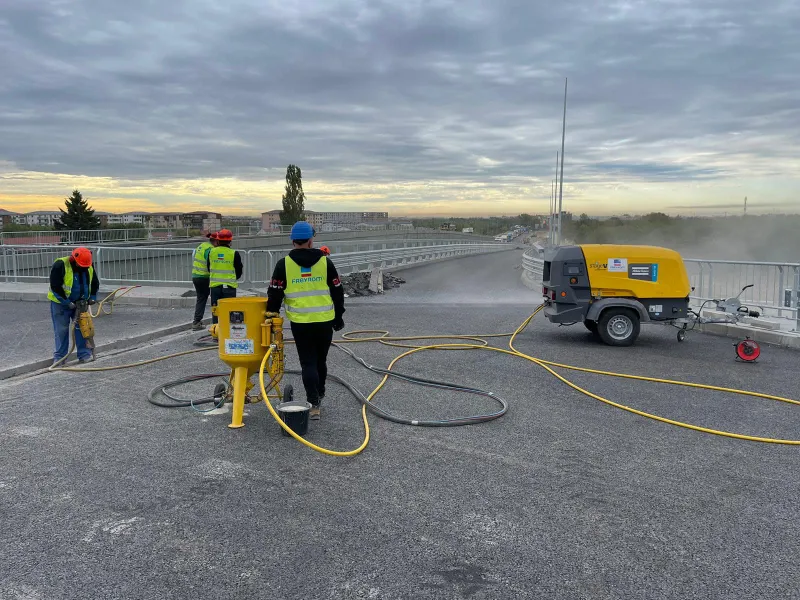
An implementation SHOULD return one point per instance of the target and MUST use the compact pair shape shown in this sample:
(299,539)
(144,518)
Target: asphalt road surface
(27,328)
(103,495)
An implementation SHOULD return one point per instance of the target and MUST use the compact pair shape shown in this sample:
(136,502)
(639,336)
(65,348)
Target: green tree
(79,215)
(293,198)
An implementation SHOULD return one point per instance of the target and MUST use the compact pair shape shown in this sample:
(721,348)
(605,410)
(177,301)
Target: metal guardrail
(141,234)
(776,286)
(164,266)
(109,236)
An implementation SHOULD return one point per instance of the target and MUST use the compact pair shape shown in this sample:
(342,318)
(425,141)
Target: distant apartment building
(42,218)
(173,220)
(202,220)
(7,218)
(129,218)
(320,219)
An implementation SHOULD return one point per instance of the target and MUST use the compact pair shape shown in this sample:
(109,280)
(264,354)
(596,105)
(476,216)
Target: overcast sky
(417,106)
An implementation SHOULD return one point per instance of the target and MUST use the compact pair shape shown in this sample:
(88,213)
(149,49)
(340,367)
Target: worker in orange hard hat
(225,266)
(72,278)
(325,250)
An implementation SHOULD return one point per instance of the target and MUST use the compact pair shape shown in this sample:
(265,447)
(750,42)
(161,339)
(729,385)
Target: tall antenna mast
(561,182)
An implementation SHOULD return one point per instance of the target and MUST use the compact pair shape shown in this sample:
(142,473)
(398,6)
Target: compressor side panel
(642,272)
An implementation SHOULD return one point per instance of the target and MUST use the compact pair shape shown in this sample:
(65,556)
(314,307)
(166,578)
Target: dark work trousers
(202,289)
(218,293)
(313,340)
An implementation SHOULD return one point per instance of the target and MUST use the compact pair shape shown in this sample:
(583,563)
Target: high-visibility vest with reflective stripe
(307,296)
(69,280)
(199,265)
(222,269)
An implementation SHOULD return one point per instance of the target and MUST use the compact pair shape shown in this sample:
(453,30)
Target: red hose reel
(747,350)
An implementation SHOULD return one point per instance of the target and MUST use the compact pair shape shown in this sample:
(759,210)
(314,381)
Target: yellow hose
(111,298)
(384,337)
(300,438)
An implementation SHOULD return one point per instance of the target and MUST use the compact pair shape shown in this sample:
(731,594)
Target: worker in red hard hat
(200,278)
(225,266)
(72,278)
(325,250)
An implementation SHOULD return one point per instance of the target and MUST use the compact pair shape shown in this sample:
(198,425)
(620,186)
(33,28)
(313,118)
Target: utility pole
(745,206)
(553,208)
(550,216)
(561,181)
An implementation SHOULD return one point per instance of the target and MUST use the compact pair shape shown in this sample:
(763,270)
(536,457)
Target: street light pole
(561,183)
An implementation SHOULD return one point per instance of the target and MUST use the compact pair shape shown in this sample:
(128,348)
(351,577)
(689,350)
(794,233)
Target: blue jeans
(62,315)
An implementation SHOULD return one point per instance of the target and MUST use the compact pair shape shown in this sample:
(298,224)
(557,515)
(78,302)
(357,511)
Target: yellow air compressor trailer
(612,289)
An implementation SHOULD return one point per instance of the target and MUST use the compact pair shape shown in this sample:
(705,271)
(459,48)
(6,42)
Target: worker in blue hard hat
(307,282)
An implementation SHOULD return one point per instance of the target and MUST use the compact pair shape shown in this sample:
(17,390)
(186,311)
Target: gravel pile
(357,284)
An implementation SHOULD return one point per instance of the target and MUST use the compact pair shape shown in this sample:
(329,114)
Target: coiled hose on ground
(465,342)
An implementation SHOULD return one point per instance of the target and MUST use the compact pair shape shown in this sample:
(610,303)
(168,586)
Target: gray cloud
(395,91)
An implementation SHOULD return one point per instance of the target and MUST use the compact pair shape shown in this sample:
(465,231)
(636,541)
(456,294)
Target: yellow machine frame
(245,333)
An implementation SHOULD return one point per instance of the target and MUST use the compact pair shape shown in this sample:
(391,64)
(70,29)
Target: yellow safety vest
(307,296)
(222,269)
(199,265)
(69,279)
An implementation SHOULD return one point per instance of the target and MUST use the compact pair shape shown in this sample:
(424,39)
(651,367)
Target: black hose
(383,413)
(380,412)
(178,403)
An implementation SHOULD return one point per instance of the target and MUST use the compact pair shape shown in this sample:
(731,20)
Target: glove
(338,324)
(72,306)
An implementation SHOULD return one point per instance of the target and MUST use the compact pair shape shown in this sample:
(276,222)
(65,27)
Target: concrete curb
(168,302)
(115,345)
(763,336)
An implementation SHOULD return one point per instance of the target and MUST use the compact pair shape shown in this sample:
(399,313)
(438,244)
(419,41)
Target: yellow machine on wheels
(613,289)
(247,333)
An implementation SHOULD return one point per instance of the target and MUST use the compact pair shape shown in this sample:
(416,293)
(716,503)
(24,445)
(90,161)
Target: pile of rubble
(357,284)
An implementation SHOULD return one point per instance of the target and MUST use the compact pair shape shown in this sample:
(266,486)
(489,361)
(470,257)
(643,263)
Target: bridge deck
(105,495)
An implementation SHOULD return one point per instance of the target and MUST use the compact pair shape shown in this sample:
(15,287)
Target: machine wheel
(681,335)
(220,390)
(618,326)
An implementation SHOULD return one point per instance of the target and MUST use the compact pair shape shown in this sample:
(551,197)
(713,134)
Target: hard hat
(82,257)
(213,235)
(325,250)
(302,230)
(224,235)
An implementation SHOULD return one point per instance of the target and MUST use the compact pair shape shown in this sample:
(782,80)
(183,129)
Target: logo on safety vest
(305,271)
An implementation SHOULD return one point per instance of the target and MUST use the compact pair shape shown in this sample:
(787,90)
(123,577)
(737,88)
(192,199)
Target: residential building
(42,218)
(202,220)
(326,220)
(171,220)
(129,218)
(7,218)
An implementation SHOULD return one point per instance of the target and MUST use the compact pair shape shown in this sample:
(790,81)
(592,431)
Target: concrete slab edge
(115,345)
(762,336)
(156,302)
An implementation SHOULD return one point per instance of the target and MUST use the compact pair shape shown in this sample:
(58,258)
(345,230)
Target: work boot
(313,414)
(197,327)
(83,361)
